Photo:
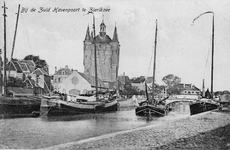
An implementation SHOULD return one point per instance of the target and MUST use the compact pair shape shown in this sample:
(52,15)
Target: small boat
(152,107)
(23,105)
(203,105)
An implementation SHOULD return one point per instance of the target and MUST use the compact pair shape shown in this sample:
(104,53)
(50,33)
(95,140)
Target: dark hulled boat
(58,106)
(146,109)
(203,105)
(151,107)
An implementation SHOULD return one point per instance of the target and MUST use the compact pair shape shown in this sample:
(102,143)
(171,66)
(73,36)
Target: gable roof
(23,66)
(30,64)
(17,66)
(91,80)
(10,66)
(66,70)
(39,71)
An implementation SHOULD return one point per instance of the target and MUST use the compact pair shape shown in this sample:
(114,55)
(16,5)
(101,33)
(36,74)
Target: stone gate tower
(107,52)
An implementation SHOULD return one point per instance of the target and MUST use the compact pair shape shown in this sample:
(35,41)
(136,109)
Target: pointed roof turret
(102,28)
(87,36)
(115,36)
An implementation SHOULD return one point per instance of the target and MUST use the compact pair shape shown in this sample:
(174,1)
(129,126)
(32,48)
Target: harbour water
(30,133)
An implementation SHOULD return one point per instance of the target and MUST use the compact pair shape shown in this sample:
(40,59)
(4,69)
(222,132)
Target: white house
(79,83)
(60,76)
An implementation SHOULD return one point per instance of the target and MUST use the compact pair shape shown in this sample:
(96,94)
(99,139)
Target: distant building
(108,52)
(59,76)
(189,89)
(125,81)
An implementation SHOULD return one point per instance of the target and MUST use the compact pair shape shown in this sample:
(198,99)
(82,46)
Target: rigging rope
(206,64)
(25,32)
(150,63)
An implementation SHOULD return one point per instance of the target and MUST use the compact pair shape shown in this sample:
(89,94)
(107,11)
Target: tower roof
(115,36)
(87,36)
(102,39)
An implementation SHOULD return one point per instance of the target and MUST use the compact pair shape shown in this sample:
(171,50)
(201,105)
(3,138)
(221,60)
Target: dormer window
(63,72)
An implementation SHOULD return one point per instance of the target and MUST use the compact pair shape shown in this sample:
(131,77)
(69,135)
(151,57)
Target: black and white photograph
(109,75)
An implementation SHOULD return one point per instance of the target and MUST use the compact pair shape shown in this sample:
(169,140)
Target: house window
(59,79)
(55,80)
(37,77)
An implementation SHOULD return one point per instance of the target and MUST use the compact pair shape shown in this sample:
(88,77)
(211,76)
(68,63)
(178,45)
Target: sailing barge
(203,105)
(74,104)
(151,107)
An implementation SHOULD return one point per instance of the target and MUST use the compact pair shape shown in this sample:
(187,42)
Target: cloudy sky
(182,49)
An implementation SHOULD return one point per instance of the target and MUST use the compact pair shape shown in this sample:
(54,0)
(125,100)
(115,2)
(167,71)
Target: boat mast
(212,56)
(203,92)
(212,68)
(146,91)
(154,64)
(95,57)
(15,31)
(4,63)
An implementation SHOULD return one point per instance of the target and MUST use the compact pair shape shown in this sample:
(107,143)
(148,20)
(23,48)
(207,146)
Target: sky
(182,49)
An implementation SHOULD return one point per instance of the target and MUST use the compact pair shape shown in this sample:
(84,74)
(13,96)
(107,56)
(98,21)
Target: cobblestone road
(209,130)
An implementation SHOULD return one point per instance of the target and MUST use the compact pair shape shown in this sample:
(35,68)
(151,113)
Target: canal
(30,133)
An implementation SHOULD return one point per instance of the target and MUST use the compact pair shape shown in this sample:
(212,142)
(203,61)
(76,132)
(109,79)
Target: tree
(172,81)
(138,79)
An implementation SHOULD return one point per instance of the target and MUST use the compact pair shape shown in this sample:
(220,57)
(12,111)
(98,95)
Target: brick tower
(107,52)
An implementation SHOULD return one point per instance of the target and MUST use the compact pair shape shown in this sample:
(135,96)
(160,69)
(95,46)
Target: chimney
(55,69)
